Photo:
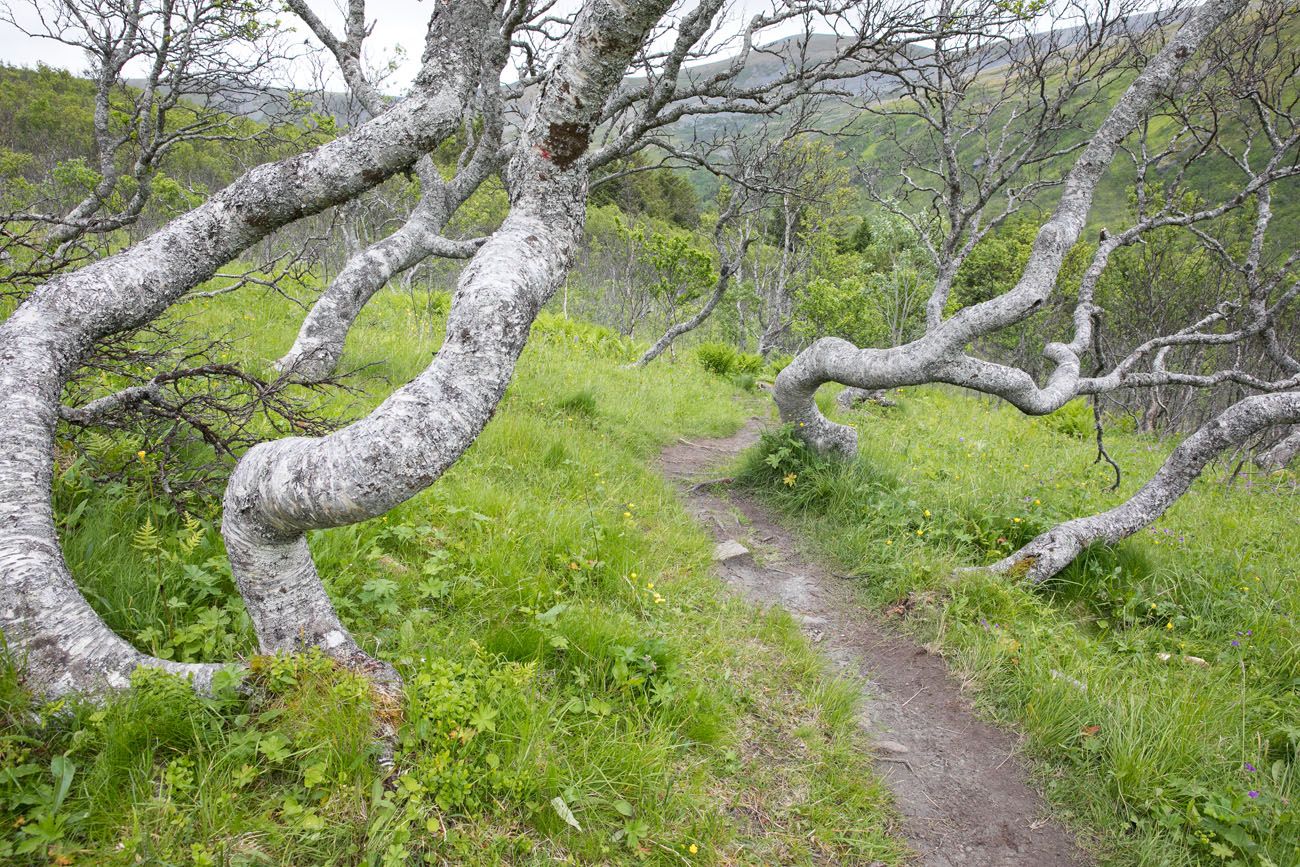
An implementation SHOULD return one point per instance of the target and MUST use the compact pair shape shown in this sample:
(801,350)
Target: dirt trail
(957,781)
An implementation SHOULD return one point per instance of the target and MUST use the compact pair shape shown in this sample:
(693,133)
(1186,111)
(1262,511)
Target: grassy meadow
(1159,681)
(579,689)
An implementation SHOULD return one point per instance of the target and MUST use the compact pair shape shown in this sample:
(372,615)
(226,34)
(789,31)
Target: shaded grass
(551,608)
(1153,754)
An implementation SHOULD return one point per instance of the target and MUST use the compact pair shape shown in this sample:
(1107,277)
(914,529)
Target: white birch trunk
(938,356)
(282,489)
(61,643)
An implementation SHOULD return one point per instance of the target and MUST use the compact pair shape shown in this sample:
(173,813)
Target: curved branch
(282,489)
(1052,551)
(63,644)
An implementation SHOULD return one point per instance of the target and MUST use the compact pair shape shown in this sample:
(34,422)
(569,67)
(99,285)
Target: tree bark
(319,345)
(282,489)
(676,331)
(62,644)
(1280,454)
(938,355)
(851,397)
(1052,551)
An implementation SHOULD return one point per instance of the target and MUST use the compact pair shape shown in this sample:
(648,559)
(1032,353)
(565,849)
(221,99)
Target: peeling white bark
(1052,551)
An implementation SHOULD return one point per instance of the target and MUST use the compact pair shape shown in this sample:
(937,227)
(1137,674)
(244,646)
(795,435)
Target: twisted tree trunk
(1054,550)
(282,489)
(62,644)
(938,356)
(319,345)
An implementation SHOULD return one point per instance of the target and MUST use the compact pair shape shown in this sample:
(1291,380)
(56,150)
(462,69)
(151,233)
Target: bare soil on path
(958,782)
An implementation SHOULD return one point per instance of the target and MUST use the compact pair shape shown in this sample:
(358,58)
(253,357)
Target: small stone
(729,550)
(893,747)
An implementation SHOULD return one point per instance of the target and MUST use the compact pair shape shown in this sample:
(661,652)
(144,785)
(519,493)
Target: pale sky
(398,25)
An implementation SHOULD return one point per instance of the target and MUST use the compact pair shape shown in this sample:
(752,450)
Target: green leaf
(562,810)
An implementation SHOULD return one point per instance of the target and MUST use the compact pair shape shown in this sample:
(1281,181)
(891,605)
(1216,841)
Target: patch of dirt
(958,781)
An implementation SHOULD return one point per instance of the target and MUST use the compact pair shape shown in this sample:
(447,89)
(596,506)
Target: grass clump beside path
(580,689)
(1159,681)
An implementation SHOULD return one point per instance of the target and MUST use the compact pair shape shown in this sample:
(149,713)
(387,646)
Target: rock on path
(958,781)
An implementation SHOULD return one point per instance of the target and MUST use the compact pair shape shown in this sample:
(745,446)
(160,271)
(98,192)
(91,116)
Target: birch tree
(670,84)
(580,114)
(61,642)
(165,72)
(1216,63)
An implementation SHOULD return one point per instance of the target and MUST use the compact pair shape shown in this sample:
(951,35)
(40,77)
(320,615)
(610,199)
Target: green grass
(1152,756)
(551,608)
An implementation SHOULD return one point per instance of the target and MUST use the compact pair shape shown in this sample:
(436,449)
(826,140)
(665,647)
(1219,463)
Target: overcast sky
(399,25)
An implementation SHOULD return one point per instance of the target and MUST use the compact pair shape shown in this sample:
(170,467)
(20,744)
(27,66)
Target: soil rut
(957,781)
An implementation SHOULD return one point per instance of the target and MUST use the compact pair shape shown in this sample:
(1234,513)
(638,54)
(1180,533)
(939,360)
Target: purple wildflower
(1252,794)
(1250,767)
(1236,643)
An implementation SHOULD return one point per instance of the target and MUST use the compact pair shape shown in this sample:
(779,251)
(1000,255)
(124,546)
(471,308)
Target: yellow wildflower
(790,479)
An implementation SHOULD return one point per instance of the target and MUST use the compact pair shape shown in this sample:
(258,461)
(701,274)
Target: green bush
(778,363)
(595,340)
(717,358)
(749,364)
(725,360)
(1073,420)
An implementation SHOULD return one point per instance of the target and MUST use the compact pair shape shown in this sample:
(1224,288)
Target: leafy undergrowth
(579,689)
(1159,681)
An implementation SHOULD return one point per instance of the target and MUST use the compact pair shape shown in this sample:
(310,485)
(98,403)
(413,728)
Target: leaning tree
(576,108)
(976,148)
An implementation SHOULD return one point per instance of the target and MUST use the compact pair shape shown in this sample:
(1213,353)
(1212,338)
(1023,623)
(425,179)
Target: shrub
(1073,420)
(595,340)
(717,358)
(749,363)
(725,360)
(778,363)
